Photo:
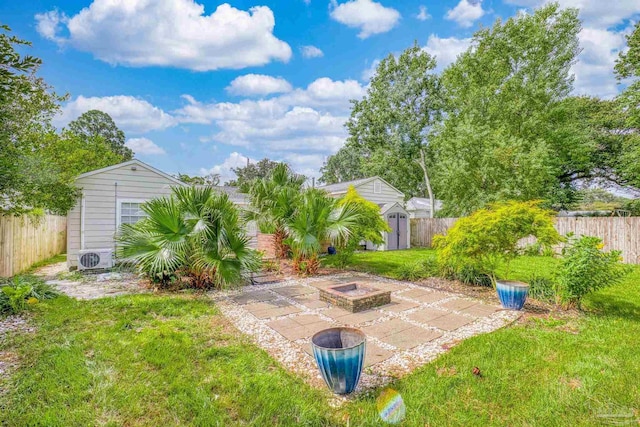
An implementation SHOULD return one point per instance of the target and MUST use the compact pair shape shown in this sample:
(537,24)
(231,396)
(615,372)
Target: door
(392,236)
(397,237)
(402,231)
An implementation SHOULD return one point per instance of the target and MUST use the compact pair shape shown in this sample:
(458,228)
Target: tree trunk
(427,181)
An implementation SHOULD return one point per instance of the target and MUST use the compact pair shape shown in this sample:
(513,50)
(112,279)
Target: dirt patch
(9,360)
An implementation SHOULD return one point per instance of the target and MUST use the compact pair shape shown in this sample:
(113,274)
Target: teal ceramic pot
(339,353)
(512,294)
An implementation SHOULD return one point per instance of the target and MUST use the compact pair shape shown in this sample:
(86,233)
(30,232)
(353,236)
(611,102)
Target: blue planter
(512,294)
(339,353)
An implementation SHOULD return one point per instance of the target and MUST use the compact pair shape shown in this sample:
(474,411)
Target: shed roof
(341,187)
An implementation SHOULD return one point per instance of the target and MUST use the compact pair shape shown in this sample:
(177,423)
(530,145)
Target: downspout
(82,203)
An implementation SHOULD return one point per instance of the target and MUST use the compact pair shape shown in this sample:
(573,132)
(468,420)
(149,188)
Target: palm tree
(273,201)
(318,218)
(195,233)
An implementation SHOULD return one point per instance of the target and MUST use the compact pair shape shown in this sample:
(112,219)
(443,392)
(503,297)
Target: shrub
(489,236)
(195,234)
(471,275)
(20,291)
(368,226)
(542,289)
(587,268)
(411,271)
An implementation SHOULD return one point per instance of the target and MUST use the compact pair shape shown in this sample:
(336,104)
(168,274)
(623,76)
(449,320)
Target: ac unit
(91,259)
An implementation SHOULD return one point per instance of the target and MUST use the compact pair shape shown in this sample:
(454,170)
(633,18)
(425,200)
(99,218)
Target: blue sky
(201,86)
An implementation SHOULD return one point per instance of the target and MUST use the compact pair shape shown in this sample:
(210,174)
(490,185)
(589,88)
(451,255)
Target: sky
(201,87)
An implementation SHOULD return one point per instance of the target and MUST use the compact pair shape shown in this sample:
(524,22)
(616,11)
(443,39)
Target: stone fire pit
(355,297)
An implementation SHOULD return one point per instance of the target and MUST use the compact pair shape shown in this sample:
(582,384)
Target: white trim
(119,203)
(377,187)
(82,218)
(132,162)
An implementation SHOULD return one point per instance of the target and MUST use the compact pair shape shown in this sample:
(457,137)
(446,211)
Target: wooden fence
(24,242)
(622,234)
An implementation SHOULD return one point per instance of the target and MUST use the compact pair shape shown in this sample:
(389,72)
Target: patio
(418,324)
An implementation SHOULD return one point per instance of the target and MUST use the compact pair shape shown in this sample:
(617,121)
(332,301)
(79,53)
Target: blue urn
(339,353)
(512,294)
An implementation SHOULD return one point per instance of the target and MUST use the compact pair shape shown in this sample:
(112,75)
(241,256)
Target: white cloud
(311,52)
(368,16)
(423,15)
(305,164)
(174,33)
(130,114)
(594,69)
(304,120)
(446,50)
(594,13)
(466,13)
(234,160)
(258,84)
(144,146)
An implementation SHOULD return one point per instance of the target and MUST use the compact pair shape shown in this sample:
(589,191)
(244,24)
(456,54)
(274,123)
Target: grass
(173,360)
(149,360)
(53,260)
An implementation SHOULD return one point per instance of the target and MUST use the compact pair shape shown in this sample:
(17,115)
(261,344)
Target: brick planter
(266,245)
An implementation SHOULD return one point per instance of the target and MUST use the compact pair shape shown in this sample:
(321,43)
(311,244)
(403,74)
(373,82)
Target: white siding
(99,193)
(387,193)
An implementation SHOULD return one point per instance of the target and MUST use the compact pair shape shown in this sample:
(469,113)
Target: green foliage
(368,226)
(273,201)
(389,126)
(542,288)
(20,291)
(632,207)
(252,171)
(489,236)
(195,234)
(411,271)
(212,179)
(497,142)
(98,124)
(586,267)
(318,218)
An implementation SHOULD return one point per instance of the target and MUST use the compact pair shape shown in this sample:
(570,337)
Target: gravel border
(292,357)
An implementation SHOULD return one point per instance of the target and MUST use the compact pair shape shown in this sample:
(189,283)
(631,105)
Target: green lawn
(173,360)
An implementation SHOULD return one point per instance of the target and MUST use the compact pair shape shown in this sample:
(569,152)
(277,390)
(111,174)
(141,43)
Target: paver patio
(412,330)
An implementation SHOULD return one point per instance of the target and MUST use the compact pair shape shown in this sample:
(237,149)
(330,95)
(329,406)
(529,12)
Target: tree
(246,174)
(390,126)
(318,218)
(96,123)
(273,201)
(194,234)
(368,225)
(212,179)
(27,180)
(505,87)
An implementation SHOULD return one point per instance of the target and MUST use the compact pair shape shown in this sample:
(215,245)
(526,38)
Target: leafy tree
(195,234)
(212,179)
(318,218)
(490,235)
(252,171)
(274,200)
(96,123)
(368,226)
(28,182)
(389,127)
(505,87)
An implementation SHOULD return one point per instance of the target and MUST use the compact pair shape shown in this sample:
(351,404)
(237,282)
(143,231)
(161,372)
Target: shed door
(402,231)
(397,237)
(393,237)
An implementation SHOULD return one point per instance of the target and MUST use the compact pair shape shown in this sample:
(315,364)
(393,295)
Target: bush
(411,271)
(489,236)
(17,293)
(587,268)
(542,289)
(471,275)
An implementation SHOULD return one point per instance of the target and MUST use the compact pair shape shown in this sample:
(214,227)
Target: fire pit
(355,297)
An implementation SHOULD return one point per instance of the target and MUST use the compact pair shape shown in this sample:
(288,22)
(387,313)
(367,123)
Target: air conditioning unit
(93,259)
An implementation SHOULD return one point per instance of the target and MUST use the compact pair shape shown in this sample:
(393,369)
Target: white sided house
(420,207)
(390,200)
(110,197)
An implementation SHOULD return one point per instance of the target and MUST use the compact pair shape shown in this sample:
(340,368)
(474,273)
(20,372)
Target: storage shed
(390,200)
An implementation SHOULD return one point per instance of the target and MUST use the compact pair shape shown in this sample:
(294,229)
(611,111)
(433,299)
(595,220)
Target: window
(377,187)
(130,212)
